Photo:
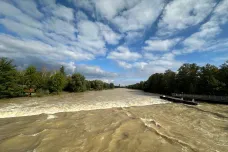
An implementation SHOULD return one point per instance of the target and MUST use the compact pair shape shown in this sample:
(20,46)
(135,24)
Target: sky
(119,41)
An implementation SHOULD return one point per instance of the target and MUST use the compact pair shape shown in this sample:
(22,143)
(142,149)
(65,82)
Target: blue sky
(121,41)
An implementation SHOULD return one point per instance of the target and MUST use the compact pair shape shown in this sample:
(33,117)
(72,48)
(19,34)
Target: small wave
(20,110)
(35,134)
(51,117)
(150,123)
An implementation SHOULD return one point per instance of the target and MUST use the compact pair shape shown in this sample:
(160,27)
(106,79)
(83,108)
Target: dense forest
(14,83)
(189,79)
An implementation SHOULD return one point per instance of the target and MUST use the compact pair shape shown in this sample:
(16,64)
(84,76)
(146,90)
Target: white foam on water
(150,122)
(51,117)
(67,104)
(35,134)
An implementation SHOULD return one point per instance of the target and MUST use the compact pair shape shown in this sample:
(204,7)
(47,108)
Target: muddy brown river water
(118,120)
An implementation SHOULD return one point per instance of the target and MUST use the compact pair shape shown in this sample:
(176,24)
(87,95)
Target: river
(118,120)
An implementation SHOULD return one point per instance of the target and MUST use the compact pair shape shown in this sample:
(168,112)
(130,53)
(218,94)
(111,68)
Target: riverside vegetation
(189,79)
(13,83)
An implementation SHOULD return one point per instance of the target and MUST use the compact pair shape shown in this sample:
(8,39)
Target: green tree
(111,86)
(88,85)
(76,83)
(187,78)
(43,78)
(97,85)
(155,83)
(169,82)
(62,70)
(31,77)
(208,82)
(105,85)
(9,79)
(57,82)
(223,78)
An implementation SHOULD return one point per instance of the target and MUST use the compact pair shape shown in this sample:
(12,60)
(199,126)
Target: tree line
(189,79)
(14,83)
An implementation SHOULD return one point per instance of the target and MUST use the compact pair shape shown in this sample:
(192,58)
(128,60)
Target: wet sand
(111,121)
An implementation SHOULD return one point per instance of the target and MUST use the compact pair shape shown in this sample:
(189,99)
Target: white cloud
(207,32)
(107,80)
(160,64)
(89,37)
(57,10)
(21,29)
(140,16)
(220,13)
(61,27)
(166,60)
(220,45)
(45,31)
(11,12)
(109,35)
(94,72)
(25,31)
(123,53)
(137,65)
(29,7)
(127,15)
(193,44)
(89,29)
(54,40)
(168,56)
(63,12)
(124,64)
(81,16)
(109,8)
(70,67)
(161,45)
(106,8)
(24,48)
(140,65)
(47,2)
(221,58)
(85,4)
(150,56)
(90,72)
(181,14)
(26,26)
(142,70)
(206,38)
(133,37)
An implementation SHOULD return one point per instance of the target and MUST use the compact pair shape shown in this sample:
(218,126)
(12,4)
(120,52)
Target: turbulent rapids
(113,120)
(76,102)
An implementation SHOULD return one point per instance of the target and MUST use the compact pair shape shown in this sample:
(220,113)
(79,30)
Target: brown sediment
(159,127)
